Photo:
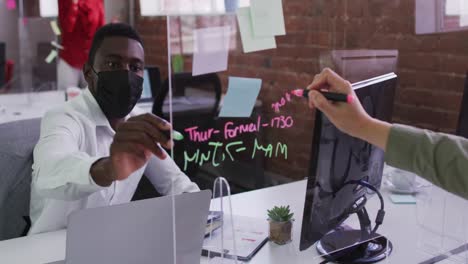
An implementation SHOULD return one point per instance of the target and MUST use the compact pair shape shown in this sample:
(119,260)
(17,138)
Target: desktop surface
(401,227)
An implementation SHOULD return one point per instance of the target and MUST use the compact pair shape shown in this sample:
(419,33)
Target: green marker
(177,136)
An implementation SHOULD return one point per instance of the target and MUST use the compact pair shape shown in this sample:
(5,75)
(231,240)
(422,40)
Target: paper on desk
(11,4)
(250,233)
(267,18)
(250,42)
(55,28)
(210,50)
(402,199)
(241,97)
(51,56)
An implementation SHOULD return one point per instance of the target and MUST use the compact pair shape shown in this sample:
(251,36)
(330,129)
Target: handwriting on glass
(221,151)
(282,102)
(232,130)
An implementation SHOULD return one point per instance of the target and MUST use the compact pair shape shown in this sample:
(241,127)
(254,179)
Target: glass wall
(239,118)
(223,73)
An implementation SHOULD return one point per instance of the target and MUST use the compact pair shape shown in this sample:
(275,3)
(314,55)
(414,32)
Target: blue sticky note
(402,199)
(241,97)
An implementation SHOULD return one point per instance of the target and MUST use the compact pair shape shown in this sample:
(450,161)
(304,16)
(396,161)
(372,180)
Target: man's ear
(89,76)
(88,73)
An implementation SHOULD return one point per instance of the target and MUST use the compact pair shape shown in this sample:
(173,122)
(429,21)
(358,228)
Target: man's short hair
(111,30)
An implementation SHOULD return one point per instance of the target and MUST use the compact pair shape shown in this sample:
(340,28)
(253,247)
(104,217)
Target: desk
(22,106)
(400,226)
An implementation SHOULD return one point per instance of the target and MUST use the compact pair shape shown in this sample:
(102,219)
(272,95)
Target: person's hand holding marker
(350,117)
(134,142)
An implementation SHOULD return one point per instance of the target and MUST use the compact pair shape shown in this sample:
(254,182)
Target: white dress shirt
(73,137)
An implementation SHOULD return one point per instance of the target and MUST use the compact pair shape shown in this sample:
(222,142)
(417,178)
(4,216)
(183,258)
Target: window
(48,8)
(182,29)
(450,15)
(455,15)
(181,7)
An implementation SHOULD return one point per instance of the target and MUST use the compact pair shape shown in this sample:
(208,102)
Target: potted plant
(281,220)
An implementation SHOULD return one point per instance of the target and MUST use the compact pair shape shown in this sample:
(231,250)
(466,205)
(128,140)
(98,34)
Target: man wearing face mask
(94,150)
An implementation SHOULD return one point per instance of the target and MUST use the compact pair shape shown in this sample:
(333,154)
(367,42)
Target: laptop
(139,232)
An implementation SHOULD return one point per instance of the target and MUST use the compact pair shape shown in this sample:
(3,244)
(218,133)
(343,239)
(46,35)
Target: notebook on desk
(250,236)
(138,232)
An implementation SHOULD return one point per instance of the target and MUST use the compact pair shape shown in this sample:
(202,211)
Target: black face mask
(118,92)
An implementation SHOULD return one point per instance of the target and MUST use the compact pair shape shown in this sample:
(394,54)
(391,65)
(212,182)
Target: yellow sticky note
(55,27)
(51,56)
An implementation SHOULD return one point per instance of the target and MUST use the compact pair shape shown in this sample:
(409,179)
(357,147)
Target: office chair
(17,141)
(181,81)
(204,119)
(204,175)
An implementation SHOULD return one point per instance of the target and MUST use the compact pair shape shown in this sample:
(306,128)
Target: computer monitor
(151,83)
(341,167)
(146,94)
(462,129)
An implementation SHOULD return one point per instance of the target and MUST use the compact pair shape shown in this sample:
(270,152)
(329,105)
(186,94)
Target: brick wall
(431,67)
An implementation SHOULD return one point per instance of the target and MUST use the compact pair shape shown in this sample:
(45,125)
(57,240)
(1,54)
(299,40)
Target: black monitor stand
(351,246)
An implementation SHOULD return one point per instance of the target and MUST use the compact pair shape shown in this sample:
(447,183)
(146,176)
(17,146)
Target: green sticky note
(177,63)
(267,18)
(55,28)
(402,199)
(51,56)
(250,42)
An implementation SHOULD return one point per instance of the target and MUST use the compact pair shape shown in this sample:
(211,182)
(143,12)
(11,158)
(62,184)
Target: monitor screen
(146,94)
(337,158)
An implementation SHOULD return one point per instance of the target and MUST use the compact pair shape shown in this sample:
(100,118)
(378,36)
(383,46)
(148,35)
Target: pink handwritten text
(282,102)
(232,130)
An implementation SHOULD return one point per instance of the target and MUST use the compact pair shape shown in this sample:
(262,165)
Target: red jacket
(79,22)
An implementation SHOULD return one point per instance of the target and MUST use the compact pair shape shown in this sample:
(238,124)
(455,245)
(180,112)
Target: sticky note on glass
(241,97)
(250,42)
(11,4)
(402,199)
(177,63)
(211,48)
(51,56)
(55,27)
(231,5)
(267,18)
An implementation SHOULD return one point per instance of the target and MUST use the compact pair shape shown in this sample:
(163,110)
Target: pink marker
(335,97)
